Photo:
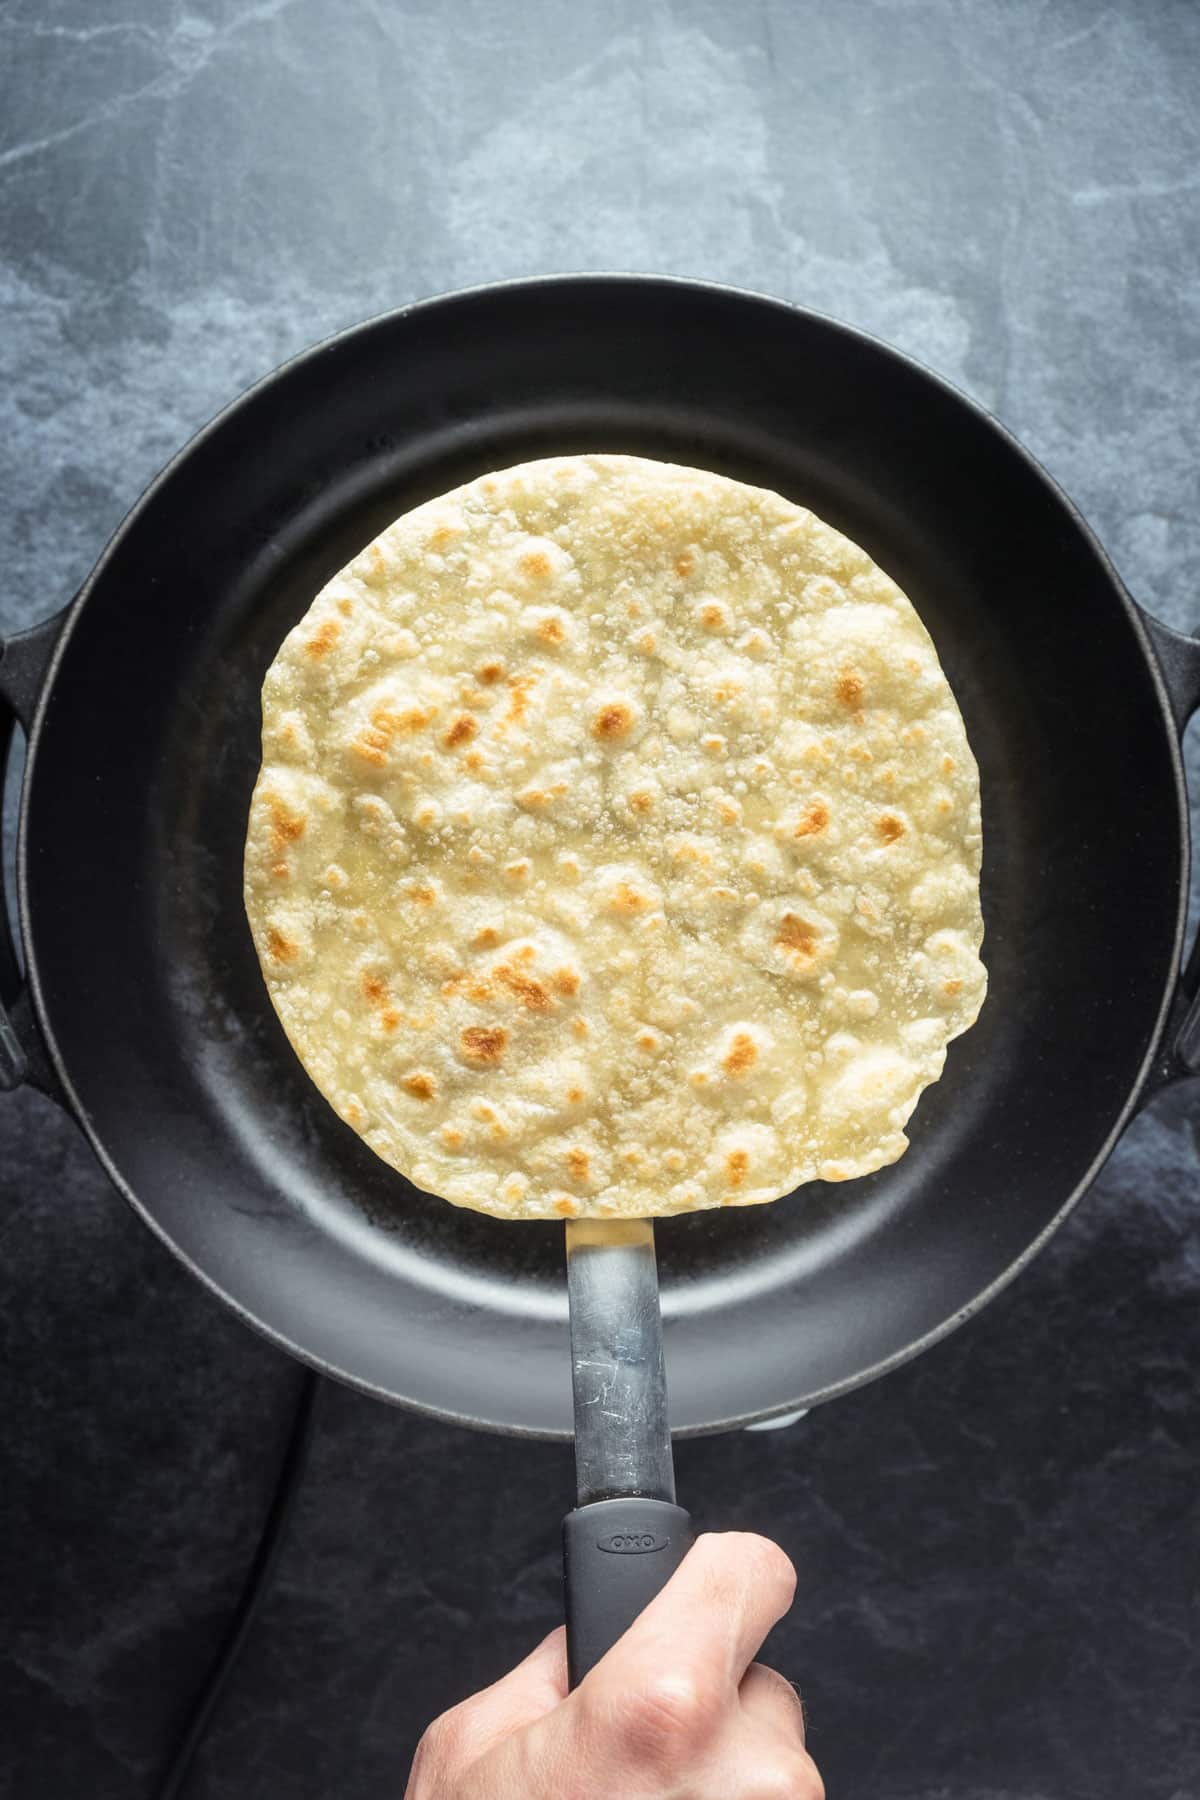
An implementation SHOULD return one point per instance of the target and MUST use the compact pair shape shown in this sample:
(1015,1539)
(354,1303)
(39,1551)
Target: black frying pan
(145,1013)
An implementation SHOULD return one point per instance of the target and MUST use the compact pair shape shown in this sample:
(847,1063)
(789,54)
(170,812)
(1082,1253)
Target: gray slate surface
(997,1545)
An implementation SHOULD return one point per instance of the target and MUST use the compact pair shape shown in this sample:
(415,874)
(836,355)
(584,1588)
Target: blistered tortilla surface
(616,846)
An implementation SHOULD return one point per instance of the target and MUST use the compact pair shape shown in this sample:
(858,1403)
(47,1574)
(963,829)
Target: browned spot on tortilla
(578,1164)
(286,826)
(579,1027)
(812,820)
(951,987)
(422,894)
(529,992)
(520,687)
(741,1055)
(323,640)
(727,812)
(489,673)
(485,939)
(647,1041)
(565,1207)
(352,1113)
(947,765)
(612,722)
(640,801)
(798,936)
(685,563)
(389,1018)
(574,1096)
(405,723)
(374,988)
(850,686)
(441,535)
(535,564)
(628,899)
(372,745)
(345,607)
(483,1043)
(420,1085)
(565,981)
(375,740)
(281,949)
(712,616)
(550,630)
(450,1137)
(280,871)
(461,732)
(889,827)
(736,1165)
(527,953)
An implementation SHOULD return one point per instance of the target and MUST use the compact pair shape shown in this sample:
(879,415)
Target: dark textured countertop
(997,1545)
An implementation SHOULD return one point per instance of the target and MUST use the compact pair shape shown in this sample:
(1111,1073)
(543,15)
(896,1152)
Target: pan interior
(141,779)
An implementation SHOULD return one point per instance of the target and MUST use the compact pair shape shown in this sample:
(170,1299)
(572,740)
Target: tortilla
(616,846)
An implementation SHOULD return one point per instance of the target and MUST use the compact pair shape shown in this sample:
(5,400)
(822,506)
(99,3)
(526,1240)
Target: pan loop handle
(1178,657)
(1178,1059)
(24,661)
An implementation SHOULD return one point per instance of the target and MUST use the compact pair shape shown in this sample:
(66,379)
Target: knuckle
(440,1743)
(787,1777)
(778,1684)
(666,1715)
(425,1763)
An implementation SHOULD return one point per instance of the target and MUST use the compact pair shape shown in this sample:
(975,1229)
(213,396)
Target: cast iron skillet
(145,1013)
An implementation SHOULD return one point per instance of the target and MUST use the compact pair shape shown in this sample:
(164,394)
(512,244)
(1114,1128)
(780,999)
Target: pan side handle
(1178,1059)
(24,661)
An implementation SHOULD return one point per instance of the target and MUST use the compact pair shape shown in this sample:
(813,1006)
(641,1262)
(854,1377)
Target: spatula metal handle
(617,1555)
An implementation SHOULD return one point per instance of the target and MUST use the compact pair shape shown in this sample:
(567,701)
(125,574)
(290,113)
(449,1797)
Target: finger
(715,1611)
(753,1763)
(770,1700)
(528,1692)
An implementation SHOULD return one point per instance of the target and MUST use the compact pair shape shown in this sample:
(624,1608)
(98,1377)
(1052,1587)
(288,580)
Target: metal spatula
(627,1535)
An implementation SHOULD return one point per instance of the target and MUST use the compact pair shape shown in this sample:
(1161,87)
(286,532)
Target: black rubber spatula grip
(627,1537)
(617,1555)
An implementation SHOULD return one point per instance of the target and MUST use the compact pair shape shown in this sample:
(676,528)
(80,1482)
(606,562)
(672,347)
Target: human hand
(677,1710)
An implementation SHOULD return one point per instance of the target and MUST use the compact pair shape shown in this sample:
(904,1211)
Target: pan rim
(576,280)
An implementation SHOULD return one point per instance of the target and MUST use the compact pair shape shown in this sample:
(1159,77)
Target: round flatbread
(616,847)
